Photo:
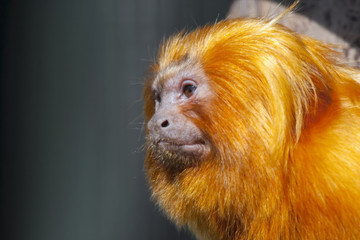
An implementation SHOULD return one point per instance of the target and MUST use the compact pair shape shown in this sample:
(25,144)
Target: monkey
(253,132)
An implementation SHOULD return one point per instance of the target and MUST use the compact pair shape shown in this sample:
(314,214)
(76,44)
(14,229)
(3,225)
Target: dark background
(71,115)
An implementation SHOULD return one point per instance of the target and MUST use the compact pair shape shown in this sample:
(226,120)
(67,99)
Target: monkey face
(173,136)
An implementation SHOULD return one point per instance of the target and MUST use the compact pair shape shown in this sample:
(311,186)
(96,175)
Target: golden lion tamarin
(253,132)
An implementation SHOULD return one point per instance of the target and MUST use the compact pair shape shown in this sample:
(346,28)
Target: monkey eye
(188,88)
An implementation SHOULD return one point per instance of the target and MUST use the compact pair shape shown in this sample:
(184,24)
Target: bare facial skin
(173,136)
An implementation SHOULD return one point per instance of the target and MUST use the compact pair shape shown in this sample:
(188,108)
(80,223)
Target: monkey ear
(315,92)
(305,93)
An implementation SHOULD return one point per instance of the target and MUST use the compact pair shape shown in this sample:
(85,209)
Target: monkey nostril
(165,123)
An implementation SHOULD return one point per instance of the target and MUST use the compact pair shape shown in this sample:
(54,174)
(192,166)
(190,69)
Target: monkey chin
(177,156)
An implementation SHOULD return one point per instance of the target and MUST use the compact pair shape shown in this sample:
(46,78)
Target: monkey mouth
(197,147)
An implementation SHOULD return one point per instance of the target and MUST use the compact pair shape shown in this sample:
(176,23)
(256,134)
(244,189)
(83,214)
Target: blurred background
(72,139)
(72,73)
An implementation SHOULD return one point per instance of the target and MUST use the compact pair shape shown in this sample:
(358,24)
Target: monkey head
(211,95)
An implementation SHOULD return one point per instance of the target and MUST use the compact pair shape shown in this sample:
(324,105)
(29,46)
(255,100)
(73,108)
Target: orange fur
(284,124)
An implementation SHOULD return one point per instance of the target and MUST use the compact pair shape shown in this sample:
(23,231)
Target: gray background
(71,115)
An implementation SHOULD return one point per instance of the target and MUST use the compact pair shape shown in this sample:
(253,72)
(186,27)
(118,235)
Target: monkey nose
(165,124)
